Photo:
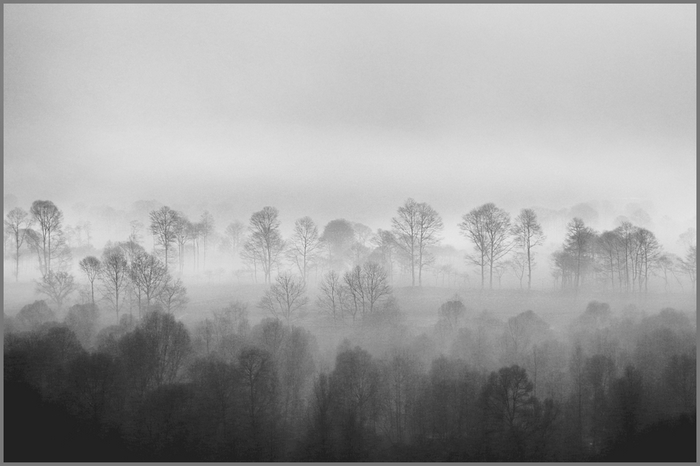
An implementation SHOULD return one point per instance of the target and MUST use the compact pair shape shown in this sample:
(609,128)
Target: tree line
(623,259)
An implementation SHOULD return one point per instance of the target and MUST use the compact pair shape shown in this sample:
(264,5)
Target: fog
(212,116)
(263,105)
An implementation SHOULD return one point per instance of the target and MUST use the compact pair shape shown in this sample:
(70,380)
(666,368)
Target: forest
(182,340)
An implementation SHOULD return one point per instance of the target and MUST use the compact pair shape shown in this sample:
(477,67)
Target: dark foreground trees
(152,391)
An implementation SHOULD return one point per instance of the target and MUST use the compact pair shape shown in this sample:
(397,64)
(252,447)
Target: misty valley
(160,334)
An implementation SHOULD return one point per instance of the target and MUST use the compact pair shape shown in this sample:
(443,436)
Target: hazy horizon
(339,111)
(140,333)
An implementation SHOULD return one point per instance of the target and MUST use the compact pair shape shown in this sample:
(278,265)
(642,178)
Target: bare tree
(648,251)
(183,229)
(164,222)
(527,233)
(579,242)
(689,265)
(332,298)
(194,233)
(376,285)
(405,229)
(497,227)
(266,239)
(626,232)
(667,263)
(92,266)
(416,227)
(488,227)
(49,219)
(472,227)
(608,247)
(114,276)
(304,246)
(148,275)
(356,300)
(365,286)
(285,297)
(59,255)
(57,286)
(16,225)
(206,228)
(173,295)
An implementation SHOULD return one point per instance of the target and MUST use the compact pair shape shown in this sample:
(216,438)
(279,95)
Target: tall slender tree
(164,224)
(472,227)
(626,232)
(416,227)
(579,242)
(92,267)
(114,276)
(332,298)
(689,265)
(206,228)
(488,227)
(16,225)
(266,238)
(148,275)
(304,245)
(527,233)
(608,248)
(648,251)
(182,234)
(49,218)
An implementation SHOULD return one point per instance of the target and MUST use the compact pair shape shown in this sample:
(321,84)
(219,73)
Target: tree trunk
(529,269)
(413,267)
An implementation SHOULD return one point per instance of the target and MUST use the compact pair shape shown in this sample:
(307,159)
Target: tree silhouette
(16,224)
(304,245)
(49,218)
(416,227)
(164,226)
(527,233)
(285,298)
(92,267)
(266,241)
(488,228)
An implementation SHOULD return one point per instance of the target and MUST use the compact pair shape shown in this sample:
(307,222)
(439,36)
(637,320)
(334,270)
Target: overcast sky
(347,110)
